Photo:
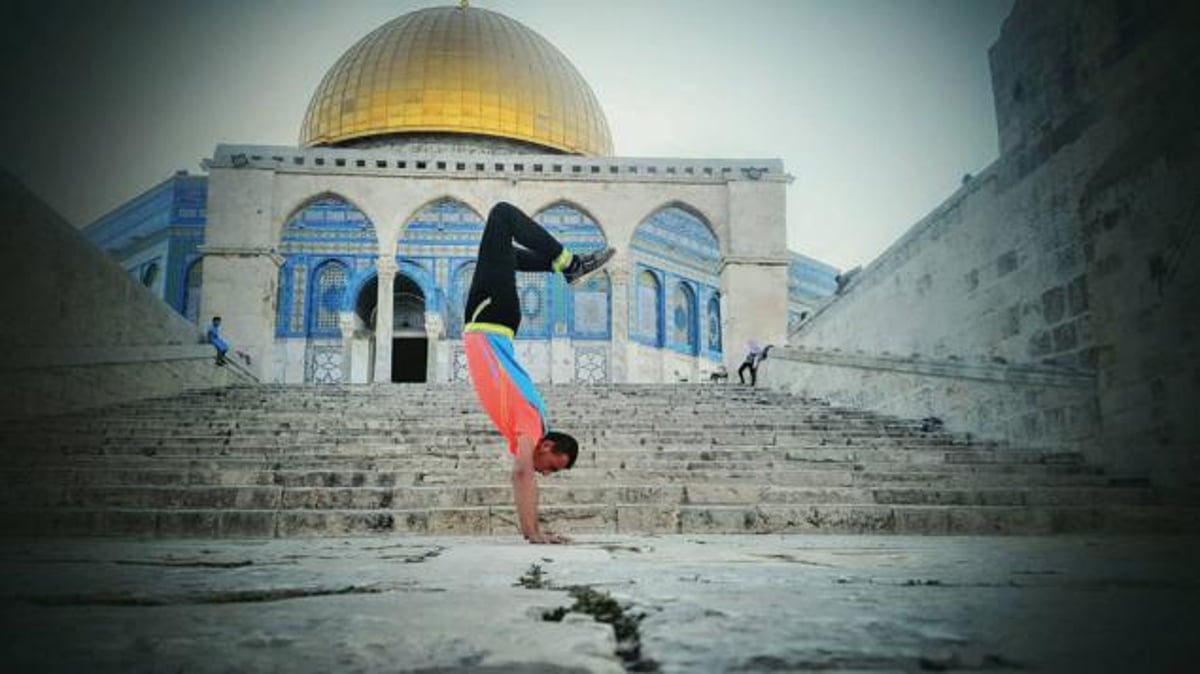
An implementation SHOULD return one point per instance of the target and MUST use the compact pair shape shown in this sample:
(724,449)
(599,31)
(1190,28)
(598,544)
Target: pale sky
(877,107)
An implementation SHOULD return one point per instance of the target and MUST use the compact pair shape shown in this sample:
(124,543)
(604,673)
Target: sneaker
(583,266)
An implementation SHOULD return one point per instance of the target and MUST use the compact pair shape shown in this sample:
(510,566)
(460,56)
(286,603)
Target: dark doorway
(409,359)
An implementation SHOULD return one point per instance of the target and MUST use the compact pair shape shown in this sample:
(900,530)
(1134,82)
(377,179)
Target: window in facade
(192,291)
(591,317)
(150,274)
(535,309)
(714,324)
(329,288)
(683,316)
(462,284)
(649,308)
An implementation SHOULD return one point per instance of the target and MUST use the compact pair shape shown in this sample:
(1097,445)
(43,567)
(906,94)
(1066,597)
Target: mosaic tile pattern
(324,364)
(591,364)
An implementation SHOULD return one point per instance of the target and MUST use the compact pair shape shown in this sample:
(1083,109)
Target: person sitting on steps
(214,338)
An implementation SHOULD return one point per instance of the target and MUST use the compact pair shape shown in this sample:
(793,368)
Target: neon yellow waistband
(494,328)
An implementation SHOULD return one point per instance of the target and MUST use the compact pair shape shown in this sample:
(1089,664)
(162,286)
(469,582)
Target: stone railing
(1027,406)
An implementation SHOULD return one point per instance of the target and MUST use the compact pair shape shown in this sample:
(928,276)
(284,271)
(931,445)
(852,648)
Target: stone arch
(302,204)
(424,279)
(322,226)
(355,285)
(564,203)
(429,210)
(692,210)
(680,246)
(578,231)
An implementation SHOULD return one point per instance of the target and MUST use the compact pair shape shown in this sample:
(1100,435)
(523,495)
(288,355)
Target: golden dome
(457,70)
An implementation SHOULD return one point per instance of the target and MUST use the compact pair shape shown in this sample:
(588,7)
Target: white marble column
(435,332)
(386,269)
(346,323)
(618,363)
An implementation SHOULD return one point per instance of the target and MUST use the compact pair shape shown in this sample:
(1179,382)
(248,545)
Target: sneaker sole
(579,279)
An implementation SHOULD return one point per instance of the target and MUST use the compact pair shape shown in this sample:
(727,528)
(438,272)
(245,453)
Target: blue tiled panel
(193,292)
(190,203)
(684,324)
(648,307)
(713,318)
(171,213)
(579,233)
(682,253)
(450,231)
(809,278)
(591,308)
(327,231)
(328,290)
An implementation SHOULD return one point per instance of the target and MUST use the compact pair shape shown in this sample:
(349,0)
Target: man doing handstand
(493,314)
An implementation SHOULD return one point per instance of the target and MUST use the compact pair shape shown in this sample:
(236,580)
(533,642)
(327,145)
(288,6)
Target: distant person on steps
(214,338)
(754,356)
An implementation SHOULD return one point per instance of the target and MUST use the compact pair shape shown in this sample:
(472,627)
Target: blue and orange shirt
(503,386)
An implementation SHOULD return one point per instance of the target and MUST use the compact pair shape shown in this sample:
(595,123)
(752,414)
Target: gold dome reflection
(457,70)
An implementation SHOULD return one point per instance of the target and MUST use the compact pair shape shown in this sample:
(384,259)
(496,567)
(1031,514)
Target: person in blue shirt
(214,338)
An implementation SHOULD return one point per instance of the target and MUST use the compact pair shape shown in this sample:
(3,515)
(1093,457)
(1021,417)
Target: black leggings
(499,261)
(753,372)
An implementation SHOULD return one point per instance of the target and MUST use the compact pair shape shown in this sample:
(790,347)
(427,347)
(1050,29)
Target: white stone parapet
(383,161)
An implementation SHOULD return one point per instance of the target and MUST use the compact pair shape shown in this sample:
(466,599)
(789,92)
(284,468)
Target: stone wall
(1029,407)
(77,330)
(1076,249)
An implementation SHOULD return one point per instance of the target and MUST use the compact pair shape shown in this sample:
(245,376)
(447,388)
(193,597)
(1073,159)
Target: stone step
(278,460)
(500,494)
(465,465)
(683,457)
(604,519)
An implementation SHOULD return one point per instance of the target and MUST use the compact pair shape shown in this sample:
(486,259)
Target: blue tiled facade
(677,277)
(329,248)
(329,258)
(156,237)
(810,283)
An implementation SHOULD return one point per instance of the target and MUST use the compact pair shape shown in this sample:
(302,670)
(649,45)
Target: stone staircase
(282,461)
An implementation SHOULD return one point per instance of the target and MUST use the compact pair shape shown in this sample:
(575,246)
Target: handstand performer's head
(554,452)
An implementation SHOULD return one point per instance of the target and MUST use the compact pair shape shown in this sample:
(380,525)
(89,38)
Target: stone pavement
(687,604)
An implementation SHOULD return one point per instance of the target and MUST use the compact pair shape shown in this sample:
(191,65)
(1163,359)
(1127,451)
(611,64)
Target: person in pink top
(505,390)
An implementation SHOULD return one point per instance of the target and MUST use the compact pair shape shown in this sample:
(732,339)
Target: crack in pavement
(794,560)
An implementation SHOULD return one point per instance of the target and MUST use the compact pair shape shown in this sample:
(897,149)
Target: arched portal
(410,344)
(409,340)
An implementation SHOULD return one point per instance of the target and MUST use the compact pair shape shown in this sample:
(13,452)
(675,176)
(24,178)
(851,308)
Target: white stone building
(346,259)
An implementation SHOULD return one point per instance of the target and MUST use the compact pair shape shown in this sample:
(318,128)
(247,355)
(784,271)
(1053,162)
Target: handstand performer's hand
(547,538)
(525,494)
